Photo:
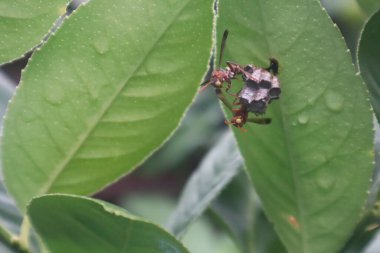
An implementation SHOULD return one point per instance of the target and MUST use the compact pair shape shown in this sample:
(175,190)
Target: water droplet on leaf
(303,118)
(28,116)
(334,101)
(101,45)
(325,180)
(54,94)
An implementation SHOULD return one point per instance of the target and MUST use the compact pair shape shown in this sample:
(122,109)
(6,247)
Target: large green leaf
(369,59)
(104,93)
(312,166)
(79,225)
(24,23)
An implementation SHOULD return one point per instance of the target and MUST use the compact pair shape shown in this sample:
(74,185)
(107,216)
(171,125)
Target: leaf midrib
(73,151)
(290,154)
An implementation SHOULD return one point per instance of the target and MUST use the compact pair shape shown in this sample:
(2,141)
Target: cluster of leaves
(105,90)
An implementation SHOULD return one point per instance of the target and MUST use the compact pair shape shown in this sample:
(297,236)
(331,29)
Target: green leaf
(368,59)
(217,169)
(79,225)
(236,206)
(199,238)
(101,96)
(265,239)
(312,166)
(245,219)
(23,24)
(10,218)
(369,6)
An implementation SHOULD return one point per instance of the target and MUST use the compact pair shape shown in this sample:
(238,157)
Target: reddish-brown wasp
(261,87)
(240,118)
(220,76)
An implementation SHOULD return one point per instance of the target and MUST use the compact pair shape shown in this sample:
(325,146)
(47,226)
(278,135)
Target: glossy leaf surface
(369,59)
(311,167)
(23,24)
(80,225)
(101,96)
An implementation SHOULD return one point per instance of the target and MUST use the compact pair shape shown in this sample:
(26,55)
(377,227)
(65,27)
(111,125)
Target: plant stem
(12,241)
(220,95)
(6,236)
(24,233)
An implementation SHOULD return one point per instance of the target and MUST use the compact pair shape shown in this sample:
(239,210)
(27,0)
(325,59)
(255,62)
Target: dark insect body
(261,87)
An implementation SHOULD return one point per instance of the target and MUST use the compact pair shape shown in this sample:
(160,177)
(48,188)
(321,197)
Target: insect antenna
(273,66)
(222,46)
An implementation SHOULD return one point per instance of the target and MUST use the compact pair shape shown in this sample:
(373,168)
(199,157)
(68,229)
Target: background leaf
(245,218)
(100,96)
(369,59)
(62,219)
(217,169)
(369,6)
(23,24)
(10,218)
(311,167)
(236,208)
(202,236)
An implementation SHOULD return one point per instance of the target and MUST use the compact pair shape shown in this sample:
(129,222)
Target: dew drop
(28,116)
(303,118)
(101,45)
(54,94)
(334,101)
(325,180)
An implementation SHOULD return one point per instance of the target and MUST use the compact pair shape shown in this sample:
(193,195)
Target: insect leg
(261,121)
(220,95)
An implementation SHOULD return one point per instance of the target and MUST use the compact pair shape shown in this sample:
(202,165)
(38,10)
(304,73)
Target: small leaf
(217,169)
(101,96)
(312,166)
(265,239)
(369,59)
(23,25)
(236,207)
(10,218)
(80,225)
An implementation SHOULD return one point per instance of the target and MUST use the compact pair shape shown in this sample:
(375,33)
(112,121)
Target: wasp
(240,117)
(221,76)
(261,86)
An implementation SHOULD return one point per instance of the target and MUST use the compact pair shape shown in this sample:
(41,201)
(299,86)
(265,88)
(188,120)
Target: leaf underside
(216,170)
